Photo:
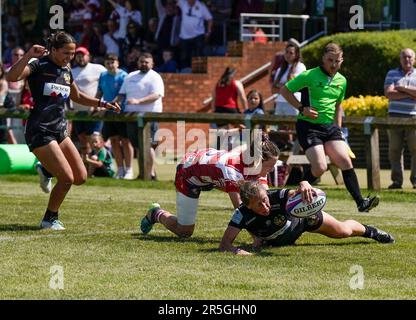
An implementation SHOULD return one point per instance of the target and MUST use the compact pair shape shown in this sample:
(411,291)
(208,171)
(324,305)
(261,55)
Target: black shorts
(296,229)
(132,132)
(39,138)
(114,128)
(312,134)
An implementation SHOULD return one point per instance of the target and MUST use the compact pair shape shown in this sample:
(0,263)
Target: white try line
(86,234)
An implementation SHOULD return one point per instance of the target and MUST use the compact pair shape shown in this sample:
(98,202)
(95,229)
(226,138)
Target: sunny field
(103,256)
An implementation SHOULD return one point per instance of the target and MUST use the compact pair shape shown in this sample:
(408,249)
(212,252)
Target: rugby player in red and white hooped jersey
(205,170)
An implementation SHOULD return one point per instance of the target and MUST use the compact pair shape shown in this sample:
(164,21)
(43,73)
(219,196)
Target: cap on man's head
(82,50)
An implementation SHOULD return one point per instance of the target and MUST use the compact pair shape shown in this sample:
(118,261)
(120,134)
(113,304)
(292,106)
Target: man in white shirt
(86,76)
(193,34)
(143,90)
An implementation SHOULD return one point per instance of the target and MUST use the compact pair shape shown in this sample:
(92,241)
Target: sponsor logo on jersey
(67,78)
(237,217)
(54,90)
(279,220)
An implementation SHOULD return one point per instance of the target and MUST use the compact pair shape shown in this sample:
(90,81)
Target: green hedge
(367,57)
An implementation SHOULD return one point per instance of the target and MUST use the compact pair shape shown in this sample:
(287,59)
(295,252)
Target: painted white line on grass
(86,234)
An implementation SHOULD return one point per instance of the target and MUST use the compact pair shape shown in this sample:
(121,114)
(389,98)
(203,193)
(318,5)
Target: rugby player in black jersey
(263,215)
(51,84)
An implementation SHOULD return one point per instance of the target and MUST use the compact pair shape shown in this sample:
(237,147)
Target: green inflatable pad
(16,158)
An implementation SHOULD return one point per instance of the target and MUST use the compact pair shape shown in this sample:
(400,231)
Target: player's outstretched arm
(227,242)
(81,98)
(20,69)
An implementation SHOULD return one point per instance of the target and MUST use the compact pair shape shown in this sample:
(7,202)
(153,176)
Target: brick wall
(186,92)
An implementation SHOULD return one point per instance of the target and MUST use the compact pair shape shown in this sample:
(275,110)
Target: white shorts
(186,209)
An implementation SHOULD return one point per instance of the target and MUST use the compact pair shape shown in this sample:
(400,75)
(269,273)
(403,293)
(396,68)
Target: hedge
(367,57)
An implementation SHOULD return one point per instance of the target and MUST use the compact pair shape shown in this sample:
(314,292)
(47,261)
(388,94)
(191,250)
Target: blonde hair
(248,190)
(333,48)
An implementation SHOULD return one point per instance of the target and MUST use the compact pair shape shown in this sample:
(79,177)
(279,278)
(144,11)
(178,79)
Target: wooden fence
(368,125)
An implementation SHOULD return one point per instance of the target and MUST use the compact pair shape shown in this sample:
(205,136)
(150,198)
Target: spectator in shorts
(86,76)
(109,86)
(143,91)
(100,162)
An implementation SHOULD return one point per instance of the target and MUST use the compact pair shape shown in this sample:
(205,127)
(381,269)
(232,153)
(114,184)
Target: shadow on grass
(18,227)
(171,238)
(331,244)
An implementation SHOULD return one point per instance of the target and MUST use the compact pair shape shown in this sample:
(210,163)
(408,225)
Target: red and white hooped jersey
(211,168)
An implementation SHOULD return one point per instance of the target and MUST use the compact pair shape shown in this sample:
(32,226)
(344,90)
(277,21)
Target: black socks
(50,215)
(370,232)
(351,183)
(46,172)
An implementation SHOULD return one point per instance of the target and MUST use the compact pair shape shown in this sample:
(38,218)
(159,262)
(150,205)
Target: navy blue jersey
(279,227)
(50,87)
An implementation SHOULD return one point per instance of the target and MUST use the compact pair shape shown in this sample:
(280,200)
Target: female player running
(51,83)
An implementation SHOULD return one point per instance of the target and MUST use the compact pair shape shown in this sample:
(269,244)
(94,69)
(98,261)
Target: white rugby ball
(297,208)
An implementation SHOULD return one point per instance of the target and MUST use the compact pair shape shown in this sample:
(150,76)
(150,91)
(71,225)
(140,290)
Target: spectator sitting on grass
(99,162)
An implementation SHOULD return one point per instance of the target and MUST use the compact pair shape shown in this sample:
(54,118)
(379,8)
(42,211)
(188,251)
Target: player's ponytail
(58,40)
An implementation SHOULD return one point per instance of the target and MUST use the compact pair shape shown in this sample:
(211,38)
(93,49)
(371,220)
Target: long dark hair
(226,77)
(3,73)
(285,64)
(254,91)
(59,40)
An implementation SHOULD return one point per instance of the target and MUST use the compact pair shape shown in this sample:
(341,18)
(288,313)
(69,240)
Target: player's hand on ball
(307,191)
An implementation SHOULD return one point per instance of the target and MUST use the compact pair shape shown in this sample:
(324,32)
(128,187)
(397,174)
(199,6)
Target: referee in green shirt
(319,123)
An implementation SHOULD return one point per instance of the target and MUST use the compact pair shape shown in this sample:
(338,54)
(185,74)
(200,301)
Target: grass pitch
(103,255)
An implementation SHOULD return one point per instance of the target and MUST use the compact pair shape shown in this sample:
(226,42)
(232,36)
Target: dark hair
(3,73)
(267,149)
(226,77)
(285,64)
(261,104)
(111,56)
(146,55)
(59,40)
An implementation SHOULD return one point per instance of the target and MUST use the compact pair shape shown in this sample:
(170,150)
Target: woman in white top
(291,67)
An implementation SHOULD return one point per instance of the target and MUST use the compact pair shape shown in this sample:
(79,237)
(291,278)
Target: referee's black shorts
(313,134)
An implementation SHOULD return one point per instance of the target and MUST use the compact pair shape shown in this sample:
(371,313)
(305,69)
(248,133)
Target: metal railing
(273,25)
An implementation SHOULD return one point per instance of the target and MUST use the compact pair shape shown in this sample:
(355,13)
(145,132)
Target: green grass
(104,257)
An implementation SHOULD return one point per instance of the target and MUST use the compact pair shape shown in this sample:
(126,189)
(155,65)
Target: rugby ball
(297,208)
